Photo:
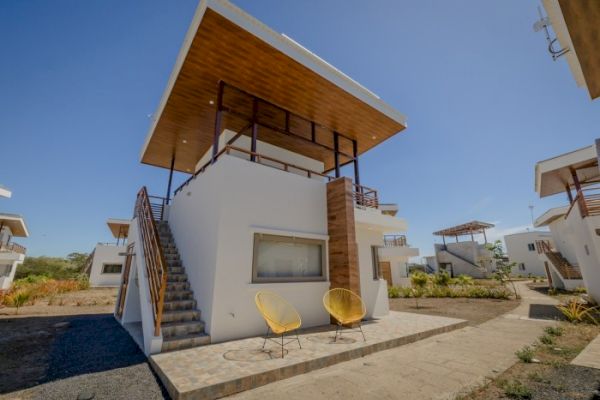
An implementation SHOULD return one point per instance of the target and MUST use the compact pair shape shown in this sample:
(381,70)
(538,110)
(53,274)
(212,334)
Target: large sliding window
(287,259)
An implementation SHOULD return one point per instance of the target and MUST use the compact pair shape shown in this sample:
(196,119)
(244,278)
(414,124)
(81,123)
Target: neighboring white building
(575,24)
(394,259)
(576,227)
(267,207)
(521,248)
(11,254)
(464,257)
(105,264)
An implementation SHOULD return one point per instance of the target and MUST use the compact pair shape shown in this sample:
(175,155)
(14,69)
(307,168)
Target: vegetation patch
(27,290)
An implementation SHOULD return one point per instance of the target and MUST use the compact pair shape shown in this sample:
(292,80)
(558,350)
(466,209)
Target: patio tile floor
(221,369)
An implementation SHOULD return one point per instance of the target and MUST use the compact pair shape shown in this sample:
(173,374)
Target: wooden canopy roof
(226,44)
(118,227)
(553,175)
(465,229)
(576,25)
(16,223)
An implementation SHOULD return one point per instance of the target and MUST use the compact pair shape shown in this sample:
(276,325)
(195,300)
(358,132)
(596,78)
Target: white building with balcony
(105,264)
(264,128)
(576,227)
(522,249)
(11,254)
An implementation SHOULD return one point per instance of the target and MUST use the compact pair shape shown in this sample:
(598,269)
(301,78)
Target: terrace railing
(13,247)
(543,246)
(394,241)
(363,196)
(588,202)
(156,266)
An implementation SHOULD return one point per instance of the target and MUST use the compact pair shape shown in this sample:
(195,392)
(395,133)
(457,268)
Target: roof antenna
(544,23)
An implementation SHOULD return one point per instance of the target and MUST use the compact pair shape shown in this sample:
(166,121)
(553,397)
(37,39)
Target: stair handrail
(156,266)
(445,248)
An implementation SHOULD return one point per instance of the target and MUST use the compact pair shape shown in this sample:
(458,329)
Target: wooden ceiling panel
(221,50)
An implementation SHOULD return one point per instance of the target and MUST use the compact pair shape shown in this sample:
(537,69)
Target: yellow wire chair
(347,308)
(280,316)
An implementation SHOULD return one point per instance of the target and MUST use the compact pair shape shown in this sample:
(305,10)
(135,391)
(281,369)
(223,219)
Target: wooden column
(254,129)
(336,153)
(170,178)
(356,171)
(576,180)
(343,250)
(569,194)
(218,117)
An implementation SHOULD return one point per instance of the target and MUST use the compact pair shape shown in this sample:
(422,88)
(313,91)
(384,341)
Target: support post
(484,237)
(569,194)
(170,177)
(576,180)
(456,236)
(472,238)
(336,153)
(444,240)
(218,117)
(356,171)
(254,129)
(313,134)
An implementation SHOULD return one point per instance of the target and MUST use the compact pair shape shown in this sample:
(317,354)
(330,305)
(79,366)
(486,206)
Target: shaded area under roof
(465,229)
(16,223)
(118,227)
(226,44)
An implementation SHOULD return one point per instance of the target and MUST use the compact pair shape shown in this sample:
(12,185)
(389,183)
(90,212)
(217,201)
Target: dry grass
(33,290)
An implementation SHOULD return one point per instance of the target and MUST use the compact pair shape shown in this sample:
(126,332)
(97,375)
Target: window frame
(286,239)
(375,261)
(104,265)
(531,246)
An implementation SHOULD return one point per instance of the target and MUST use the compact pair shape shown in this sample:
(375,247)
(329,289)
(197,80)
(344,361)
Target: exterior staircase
(181,326)
(564,268)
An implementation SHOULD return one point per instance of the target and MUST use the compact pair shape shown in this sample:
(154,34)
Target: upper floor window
(531,246)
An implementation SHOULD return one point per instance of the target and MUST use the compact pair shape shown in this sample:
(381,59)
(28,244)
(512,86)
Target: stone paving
(590,356)
(439,367)
(217,370)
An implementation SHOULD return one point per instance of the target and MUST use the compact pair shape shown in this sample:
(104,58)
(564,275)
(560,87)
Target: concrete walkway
(439,367)
(590,356)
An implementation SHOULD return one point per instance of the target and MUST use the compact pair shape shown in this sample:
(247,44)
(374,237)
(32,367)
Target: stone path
(590,356)
(439,367)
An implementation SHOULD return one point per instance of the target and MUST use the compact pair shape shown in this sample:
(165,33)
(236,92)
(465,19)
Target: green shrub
(516,390)
(547,340)
(419,279)
(17,299)
(525,354)
(393,292)
(464,280)
(580,289)
(575,312)
(554,330)
(552,292)
(441,278)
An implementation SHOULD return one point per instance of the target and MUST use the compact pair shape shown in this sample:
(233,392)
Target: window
(287,259)
(531,246)
(112,268)
(375,261)
(521,267)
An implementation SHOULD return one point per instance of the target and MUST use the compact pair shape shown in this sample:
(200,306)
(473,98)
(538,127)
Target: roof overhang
(225,44)
(549,216)
(118,227)
(5,192)
(554,174)
(575,23)
(465,229)
(16,223)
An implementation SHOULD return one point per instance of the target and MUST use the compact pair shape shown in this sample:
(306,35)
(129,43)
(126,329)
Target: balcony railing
(394,241)
(13,247)
(363,196)
(543,246)
(588,202)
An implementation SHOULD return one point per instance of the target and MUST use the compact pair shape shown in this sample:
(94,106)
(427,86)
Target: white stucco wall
(563,239)
(518,251)
(13,260)
(586,245)
(373,291)
(106,254)
(213,221)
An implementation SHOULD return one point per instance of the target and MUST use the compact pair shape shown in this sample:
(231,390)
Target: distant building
(522,249)
(464,257)
(105,264)
(11,254)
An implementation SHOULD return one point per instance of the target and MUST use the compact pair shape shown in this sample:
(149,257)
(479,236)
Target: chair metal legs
(340,328)
(282,344)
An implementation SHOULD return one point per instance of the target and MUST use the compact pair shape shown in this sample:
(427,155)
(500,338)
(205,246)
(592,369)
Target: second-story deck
(12,248)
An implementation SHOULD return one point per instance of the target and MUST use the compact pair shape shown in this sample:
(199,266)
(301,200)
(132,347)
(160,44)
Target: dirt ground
(475,311)
(90,301)
(551,377)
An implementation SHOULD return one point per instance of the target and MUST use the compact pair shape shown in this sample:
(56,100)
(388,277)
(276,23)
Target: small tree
(419,281)
(503,268)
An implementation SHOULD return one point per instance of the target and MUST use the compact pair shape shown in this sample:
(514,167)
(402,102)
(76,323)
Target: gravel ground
(71,357)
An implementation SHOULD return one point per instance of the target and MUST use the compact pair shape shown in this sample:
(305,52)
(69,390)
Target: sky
(79,81)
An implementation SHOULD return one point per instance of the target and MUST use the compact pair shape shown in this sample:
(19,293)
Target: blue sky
(483,98)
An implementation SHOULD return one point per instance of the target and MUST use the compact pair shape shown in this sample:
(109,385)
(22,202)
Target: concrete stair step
(175,270)
(179,305)
(172,329)
(185,342)
(177,295)
(181,316)
(176,286)
(176,277)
